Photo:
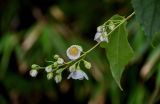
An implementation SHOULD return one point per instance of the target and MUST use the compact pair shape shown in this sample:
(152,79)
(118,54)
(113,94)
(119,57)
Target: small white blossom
(74,52)
(49,76)
(60,61)
(33,73)
(58,78)
(48,68)
(101,35)
(78,74)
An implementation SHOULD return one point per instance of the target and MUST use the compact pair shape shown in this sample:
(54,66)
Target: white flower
(101,35)
(78,74)
(48,68)
(74,52)
(33,73)
(60,61)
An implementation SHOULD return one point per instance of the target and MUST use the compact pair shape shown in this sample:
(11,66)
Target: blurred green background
(32,31)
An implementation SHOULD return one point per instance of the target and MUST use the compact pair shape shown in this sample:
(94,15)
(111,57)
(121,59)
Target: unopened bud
(34,66)
(49,76)
(72,68)
(87,64)
(48,68)
(55,64)
(58,78)
(56,57)
(111,25)
(33,73)
(60,61)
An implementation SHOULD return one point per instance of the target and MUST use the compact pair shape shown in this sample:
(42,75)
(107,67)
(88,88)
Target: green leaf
(156,40)
(148,14)
(158,76)
(118,50)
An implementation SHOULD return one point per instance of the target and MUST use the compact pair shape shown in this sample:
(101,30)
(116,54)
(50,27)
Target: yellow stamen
(73,51)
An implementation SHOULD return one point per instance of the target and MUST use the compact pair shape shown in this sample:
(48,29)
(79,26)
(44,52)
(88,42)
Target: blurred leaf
(148,14)
(9,14)
(158,75)
(156,39)
(139,44)
(146,71)
(9,44)
(114,93)
(54,39)
(2,100)
(118,50)
(137,95)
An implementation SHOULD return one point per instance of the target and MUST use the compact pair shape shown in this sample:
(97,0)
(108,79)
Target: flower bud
(49,76)
(111,25)
(87,64)
(56,57)
(34,66)
(58,78)
(59,71)
(72,68)
(60,61)
(55,64)
(48,68)
(33,73)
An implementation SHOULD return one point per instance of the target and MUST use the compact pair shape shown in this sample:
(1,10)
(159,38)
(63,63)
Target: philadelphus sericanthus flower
(77,74)
(101,34)
(74,52)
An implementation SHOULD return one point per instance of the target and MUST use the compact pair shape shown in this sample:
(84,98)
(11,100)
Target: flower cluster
(102,34)
(58,65)
(74,53)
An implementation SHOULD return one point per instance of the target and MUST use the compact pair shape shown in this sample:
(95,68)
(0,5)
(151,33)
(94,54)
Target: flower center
(73,51)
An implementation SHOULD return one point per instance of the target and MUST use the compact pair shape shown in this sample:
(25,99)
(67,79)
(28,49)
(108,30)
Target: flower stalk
(58,65)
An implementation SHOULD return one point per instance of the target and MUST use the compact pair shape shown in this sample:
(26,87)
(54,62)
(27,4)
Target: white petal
(97,35)
(78,74)
(70,75)
(85,75)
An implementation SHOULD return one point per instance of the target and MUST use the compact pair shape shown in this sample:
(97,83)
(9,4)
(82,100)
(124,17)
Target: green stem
(91,49)
(127,18)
